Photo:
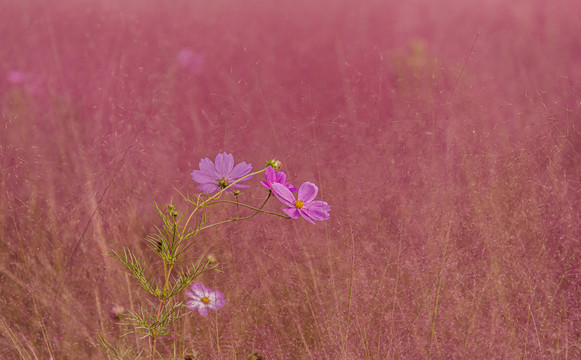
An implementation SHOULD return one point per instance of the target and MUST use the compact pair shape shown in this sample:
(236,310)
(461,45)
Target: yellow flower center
(299,204)
(205,300)
(222,183)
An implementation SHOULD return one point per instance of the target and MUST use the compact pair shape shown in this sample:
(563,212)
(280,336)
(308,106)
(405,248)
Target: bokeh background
(446,136)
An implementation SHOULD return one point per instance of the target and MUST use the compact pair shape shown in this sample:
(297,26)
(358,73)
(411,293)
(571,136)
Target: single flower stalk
(217,175)
(204,299)
(305,205)
(279,177)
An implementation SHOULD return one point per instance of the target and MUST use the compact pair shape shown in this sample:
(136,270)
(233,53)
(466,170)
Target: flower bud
(116,312)
(276,164)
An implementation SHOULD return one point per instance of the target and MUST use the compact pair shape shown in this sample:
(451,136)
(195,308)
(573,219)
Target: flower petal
(224,164)
(207,167)
(199,289)
(203,310)
(208,188)
(240,170)
(306,217)
(270,174)
(283,194)
(217,300)
(308,192)
(266,185)
(193,305)
(317,210)
(202,177)
(290,186)
(280,177)
(193,296)
(293,212)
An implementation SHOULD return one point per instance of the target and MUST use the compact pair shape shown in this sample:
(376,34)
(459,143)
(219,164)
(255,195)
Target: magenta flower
(273,176)
(305,205)
(217,175)
(204,299)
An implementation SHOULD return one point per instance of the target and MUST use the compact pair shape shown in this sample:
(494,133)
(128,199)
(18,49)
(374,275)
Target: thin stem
(153,338)
(217,195)
(249,207)
(167,272)
(257,210)
(237,207)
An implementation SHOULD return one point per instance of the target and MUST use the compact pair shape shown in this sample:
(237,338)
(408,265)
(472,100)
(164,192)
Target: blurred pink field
(445,135)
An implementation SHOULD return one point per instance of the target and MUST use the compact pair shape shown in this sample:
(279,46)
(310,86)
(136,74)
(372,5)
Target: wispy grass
(446,137)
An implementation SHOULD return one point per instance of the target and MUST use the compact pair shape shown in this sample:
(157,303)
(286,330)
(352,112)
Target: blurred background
(445,136)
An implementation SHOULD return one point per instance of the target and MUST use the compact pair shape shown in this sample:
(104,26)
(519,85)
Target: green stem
(237,208)
(153,337)
(256,211)
(249,207)
(215,196)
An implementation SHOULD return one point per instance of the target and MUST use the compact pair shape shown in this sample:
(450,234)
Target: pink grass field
(445,135)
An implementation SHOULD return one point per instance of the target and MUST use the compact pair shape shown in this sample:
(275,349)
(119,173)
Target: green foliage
(117,352)
(155,318)
(136,269)
(152,321)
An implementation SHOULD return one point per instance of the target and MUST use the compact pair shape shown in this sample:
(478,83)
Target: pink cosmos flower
(191,61)
(305,205)
(217,175)
(31,82)
(273,176)
(16,77)
(204,299)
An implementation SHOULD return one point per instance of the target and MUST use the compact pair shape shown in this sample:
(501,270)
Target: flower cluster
(222,175)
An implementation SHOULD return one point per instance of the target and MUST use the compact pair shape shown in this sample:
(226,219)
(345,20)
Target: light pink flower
(204,299)
(214,176)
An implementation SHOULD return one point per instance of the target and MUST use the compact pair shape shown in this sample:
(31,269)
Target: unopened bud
(116,312)
(276,164)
